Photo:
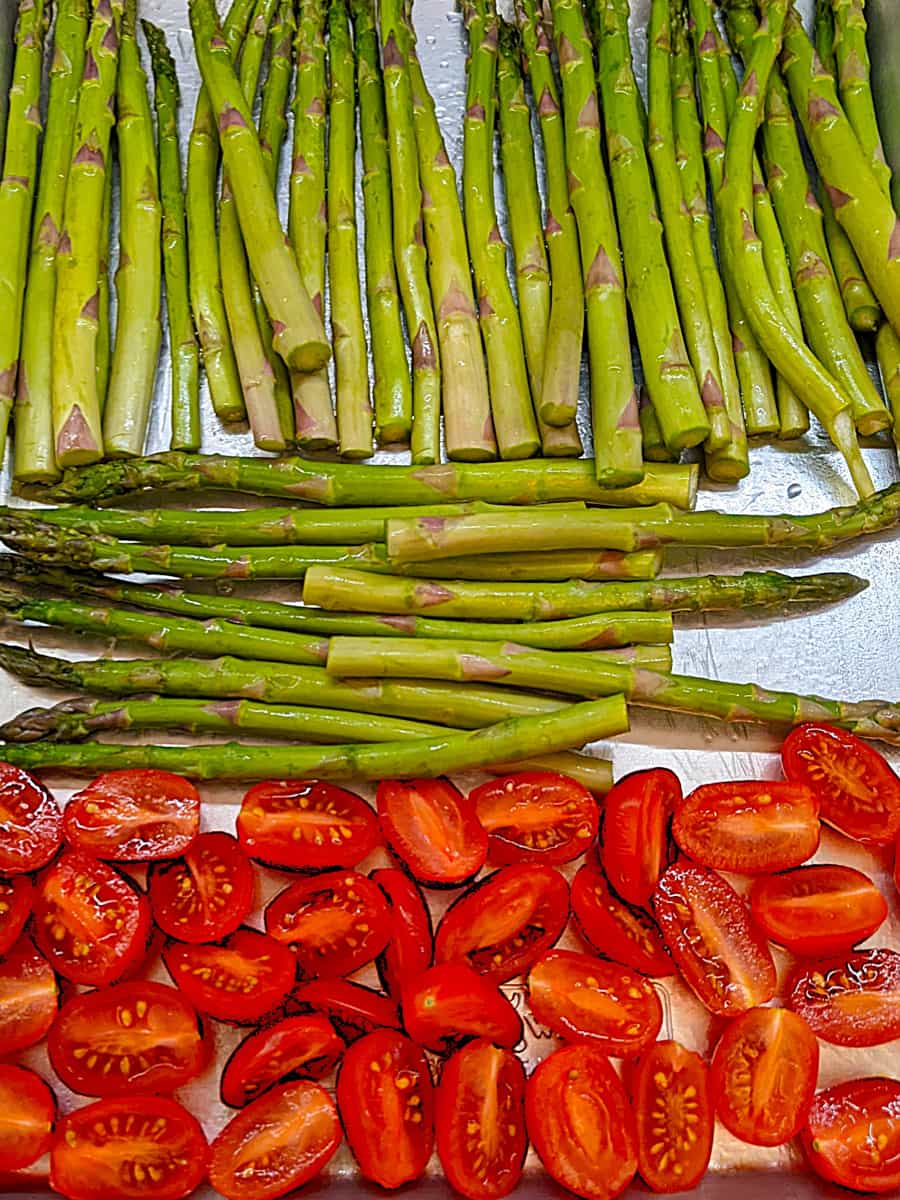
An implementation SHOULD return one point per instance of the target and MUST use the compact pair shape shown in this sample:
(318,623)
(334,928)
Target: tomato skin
(258,973)
(31,825)
(575,1080)
(634,849)
(450,1002)
(827,759)
(523,903)
(411,946)
(353,1009)
(852,1000)
(90,1160)
(735,970)
(386,1100)
(485,1086)
(27,1113)
(297,1046)
(334,922)
(819,910)
(842,1134)
(133,816)
(277,1143)
(279,822)
(613,929)
(433,829)
(536,816)
(28,997)
(205,894)
(667,1085)
(16,901)
(120,1028)
(763,1075)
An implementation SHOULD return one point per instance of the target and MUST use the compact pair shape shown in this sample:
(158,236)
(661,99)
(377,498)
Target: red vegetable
(27,1113)
(634,849)
(852,1135)
(669,1090)
(451,1002)
(819,910)
(240,981)
(30,822)
(411,944)
(536,816)
(354,1009)
(297,1046)
(28,997)
(133,816)
(613,928)
(305,825)
(433,829)
(853,1000)
(16,902)
(206,894)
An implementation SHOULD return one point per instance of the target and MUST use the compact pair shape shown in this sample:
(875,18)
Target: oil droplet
(794,490)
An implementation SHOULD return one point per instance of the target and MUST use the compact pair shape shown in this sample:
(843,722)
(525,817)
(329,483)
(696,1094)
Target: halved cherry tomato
(334,922)
(819,910)
(481,1137)
(580,1122)
(30,822)
(852,1135)
(615,929)
(753,827)
(450,1003)
(386,1101)
(634,848)
(241,980)
(16,901)
(133,816)
(91,922)
(858,793)
(708,930)
(505,922)
(763,1075)
(411,946)
(28,997)
(578,996)
(276,1144)
(206,894)
(536,816)
(27,1113)
(135,1037)
(853,1000)
(355,1010)
(433,829)
(669,1089)
(304,825)
(128,1148)
(297,1046)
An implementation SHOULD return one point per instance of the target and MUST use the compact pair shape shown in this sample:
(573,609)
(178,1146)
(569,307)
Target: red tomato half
(433,829)
(763,1075)
(536,816)
(386,1100)
(669,1090)
(853,1000)
(298,1046)
(580,1122)
(411,946)
(578,996)
(334,923)
(481,1137)
(135,1037)
(276,1144)
(30,822)
(28,997)
(128,1148)
(634,849)
(241,980)
(27,1113)
(858,793)
(206,894)
(134,816)
(451,1002)
(16,901)
(304,825)
(615,929)
(852,1136)
(709,933)
(817,910)
(752,827)
(505,922)
(354,1010)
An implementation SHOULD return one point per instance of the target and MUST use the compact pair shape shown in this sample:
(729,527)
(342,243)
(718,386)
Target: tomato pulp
(669,1089)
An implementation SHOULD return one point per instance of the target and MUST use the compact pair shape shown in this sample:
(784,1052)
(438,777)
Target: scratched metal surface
(849,651)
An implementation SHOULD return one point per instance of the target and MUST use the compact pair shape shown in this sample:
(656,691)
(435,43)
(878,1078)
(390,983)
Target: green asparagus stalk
(614,411)
(346,590)
(391,387)
(103,357)
(34,457)
(887,349)
(185,410)
(510,399)
(655,448)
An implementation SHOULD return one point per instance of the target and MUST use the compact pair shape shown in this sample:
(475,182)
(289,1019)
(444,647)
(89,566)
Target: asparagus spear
(888,351)
(614,413)
(510,401)
(652,440)
(103,357)
(393,397)
(35,460)
(343,589)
